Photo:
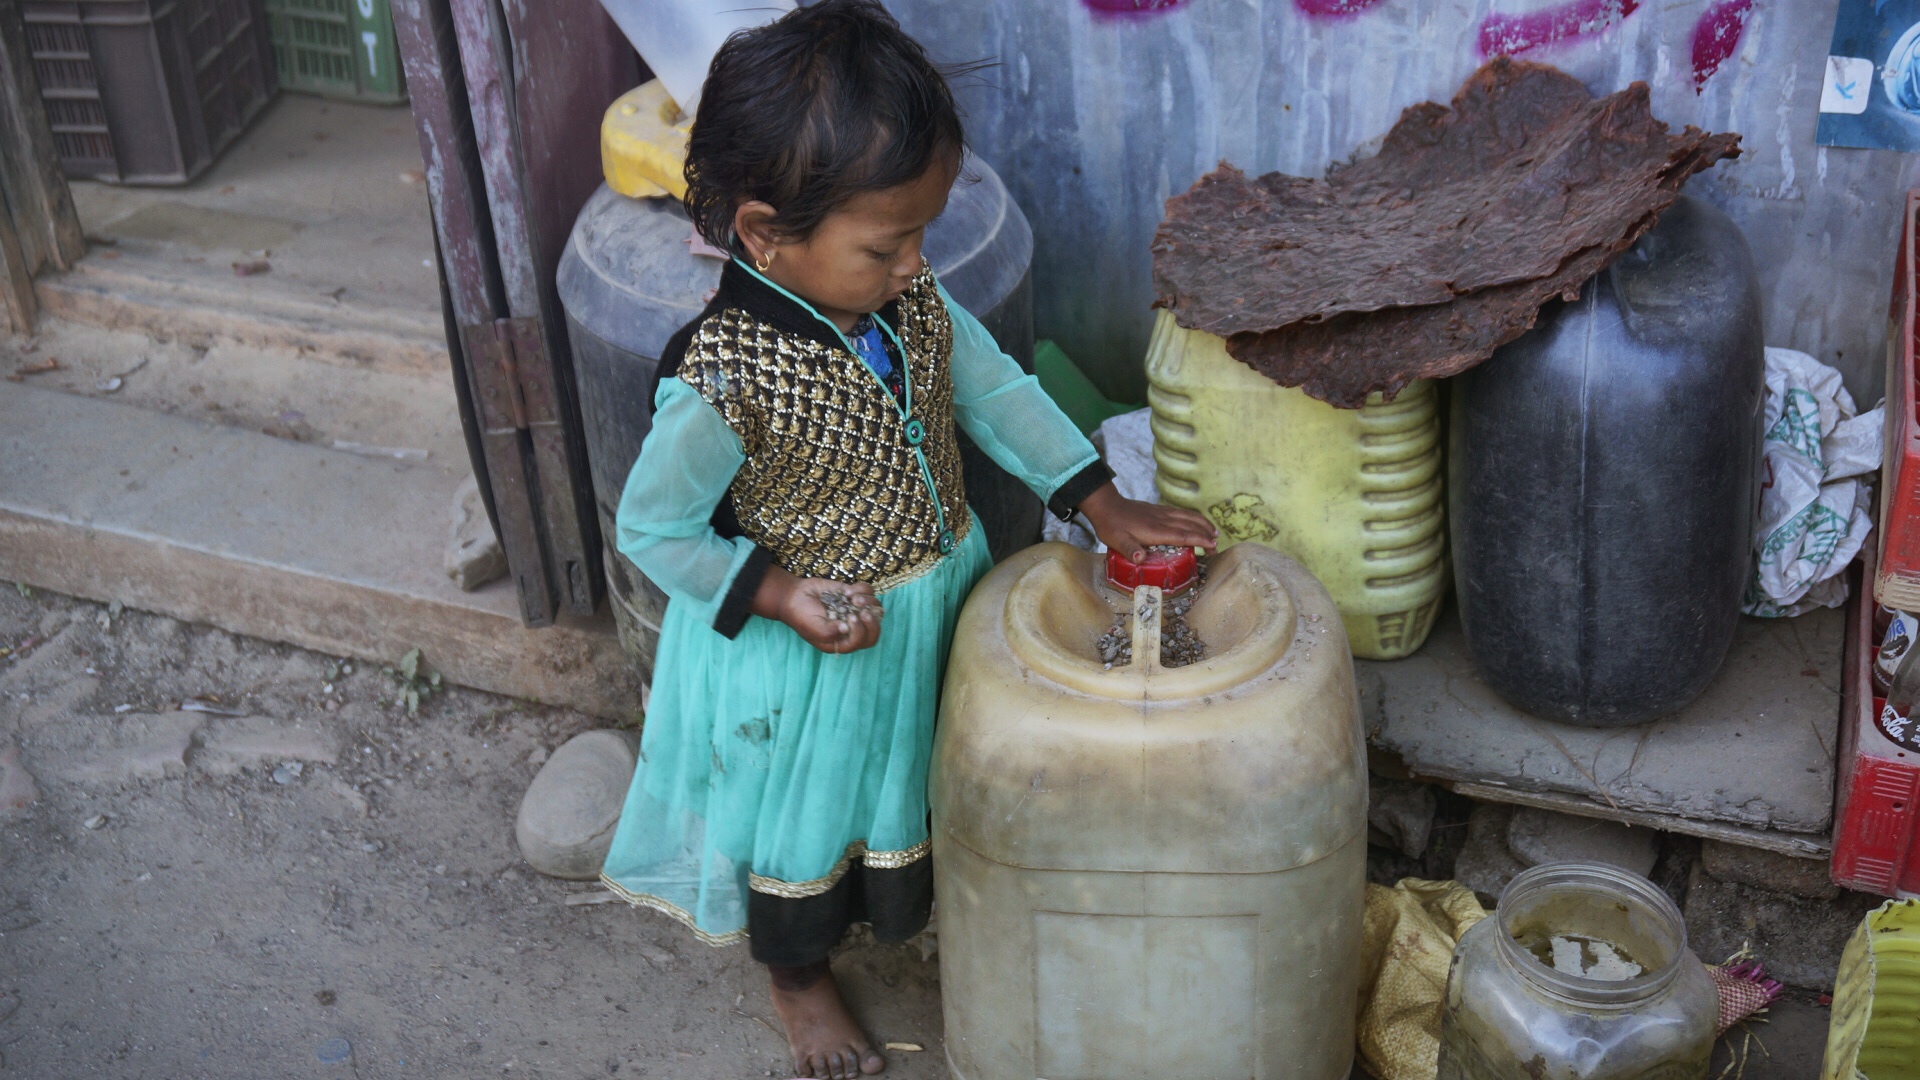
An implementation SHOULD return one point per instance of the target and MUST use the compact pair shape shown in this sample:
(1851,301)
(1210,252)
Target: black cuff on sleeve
(1071,494)
(738,604)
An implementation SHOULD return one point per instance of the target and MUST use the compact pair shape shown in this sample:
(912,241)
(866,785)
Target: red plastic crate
(1897,584)
(1876,834)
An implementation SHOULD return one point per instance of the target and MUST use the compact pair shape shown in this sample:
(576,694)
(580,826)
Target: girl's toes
(871,1063)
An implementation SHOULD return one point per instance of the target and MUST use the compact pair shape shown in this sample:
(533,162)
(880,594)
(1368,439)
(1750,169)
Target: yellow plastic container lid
(643,144)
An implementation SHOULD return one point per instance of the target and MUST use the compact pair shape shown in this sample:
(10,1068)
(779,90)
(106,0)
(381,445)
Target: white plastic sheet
(1815,501)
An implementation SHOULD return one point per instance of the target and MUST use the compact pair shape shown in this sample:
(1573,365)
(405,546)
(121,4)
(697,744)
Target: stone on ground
(1401,812)
(1798,940)
(474,557)
(567,817)
(231,745)
(17,789)
(1485,865)
(1768,870)
(1543,836)
(137,746)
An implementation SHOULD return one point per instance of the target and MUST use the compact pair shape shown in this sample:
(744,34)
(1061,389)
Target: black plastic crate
(148,91)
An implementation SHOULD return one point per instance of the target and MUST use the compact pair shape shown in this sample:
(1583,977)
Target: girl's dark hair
(805,112)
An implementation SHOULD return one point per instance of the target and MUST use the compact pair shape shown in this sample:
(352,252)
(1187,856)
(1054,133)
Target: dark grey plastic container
(628,281)
(1602,480)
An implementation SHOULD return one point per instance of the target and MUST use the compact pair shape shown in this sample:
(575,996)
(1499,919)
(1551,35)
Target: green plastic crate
(337,48)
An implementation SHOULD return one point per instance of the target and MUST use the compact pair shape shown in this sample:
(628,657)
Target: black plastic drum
(1602,481)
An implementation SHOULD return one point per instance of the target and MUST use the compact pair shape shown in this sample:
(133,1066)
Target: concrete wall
(1095,118)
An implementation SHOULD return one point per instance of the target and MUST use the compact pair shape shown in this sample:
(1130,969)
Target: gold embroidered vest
(832,486)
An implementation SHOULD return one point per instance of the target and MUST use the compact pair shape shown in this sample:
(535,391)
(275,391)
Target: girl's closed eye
(884,256)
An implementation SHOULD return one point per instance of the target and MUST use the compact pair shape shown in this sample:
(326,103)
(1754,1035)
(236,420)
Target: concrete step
(275,539)
(159,293)
(1748,762)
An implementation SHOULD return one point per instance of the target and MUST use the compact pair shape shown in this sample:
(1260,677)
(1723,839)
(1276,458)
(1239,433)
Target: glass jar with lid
(1582,973)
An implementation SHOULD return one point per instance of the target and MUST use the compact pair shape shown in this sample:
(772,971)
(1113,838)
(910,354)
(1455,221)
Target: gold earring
(763,267)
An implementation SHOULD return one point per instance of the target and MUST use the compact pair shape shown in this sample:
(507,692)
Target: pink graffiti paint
(1123,9)
(1332,9)
(1716,36)
(1506,35)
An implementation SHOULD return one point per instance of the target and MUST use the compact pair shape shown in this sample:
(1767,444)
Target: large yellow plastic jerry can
(1146,871)
(1354,494)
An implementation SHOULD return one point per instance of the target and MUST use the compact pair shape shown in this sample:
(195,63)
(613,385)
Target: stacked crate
(338,48)
(148,91)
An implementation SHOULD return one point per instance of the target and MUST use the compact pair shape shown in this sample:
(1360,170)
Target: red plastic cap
(1174,571)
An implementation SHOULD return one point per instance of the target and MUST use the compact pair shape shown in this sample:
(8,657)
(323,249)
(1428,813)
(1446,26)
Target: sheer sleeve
(664,524)
(1004,410)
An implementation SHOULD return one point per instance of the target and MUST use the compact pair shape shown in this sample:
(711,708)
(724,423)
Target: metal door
(507,96)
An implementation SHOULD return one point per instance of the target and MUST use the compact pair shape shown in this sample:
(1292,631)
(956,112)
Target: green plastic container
(337,48)
(1070,388)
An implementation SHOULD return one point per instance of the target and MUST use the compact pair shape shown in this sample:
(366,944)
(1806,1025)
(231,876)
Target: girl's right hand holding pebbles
(832,616)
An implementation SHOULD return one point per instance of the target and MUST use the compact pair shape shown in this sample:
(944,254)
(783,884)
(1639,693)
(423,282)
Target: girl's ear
(753,226)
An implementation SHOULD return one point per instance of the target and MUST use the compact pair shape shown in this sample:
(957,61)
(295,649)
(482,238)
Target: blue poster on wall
(1871,97)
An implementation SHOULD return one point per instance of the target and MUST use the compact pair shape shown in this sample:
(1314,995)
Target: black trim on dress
(793,932)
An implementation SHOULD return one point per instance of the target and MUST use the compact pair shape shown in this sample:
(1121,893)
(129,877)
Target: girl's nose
(908,264)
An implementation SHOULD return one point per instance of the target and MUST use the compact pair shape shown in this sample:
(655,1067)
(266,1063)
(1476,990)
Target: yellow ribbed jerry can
(1146,871)
(1354,494)
(1874,1032)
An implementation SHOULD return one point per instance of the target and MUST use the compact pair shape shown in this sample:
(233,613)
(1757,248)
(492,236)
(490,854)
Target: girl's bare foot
(825,1040)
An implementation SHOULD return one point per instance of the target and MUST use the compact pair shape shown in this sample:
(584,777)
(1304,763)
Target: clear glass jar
(1510,1015)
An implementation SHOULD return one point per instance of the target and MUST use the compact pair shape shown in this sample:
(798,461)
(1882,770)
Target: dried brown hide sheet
(1421,260)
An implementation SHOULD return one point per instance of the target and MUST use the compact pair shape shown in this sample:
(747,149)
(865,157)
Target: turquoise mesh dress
(769,770)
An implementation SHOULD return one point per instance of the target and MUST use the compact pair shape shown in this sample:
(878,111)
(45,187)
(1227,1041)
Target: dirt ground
(235,926)
(326,886)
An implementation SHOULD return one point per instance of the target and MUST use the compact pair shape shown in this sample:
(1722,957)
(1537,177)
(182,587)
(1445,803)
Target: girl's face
(863,254)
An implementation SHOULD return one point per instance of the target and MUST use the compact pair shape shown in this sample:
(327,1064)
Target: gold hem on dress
(672,911)
(894,860)
(878,860)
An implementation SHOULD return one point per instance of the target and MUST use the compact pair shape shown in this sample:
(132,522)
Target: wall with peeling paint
(1100,109)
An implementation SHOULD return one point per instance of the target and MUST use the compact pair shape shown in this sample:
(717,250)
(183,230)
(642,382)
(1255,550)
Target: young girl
(801,479)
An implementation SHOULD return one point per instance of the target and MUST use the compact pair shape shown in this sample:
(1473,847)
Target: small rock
(1402,811)
(474,556)
(287,772)
(538,757)
(232,746)
(1799,940)
(334,1051)
(353,798)
(1543,836)
(97,821)
(1485,865)
(1766,870)
(566,819)
(17,789)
